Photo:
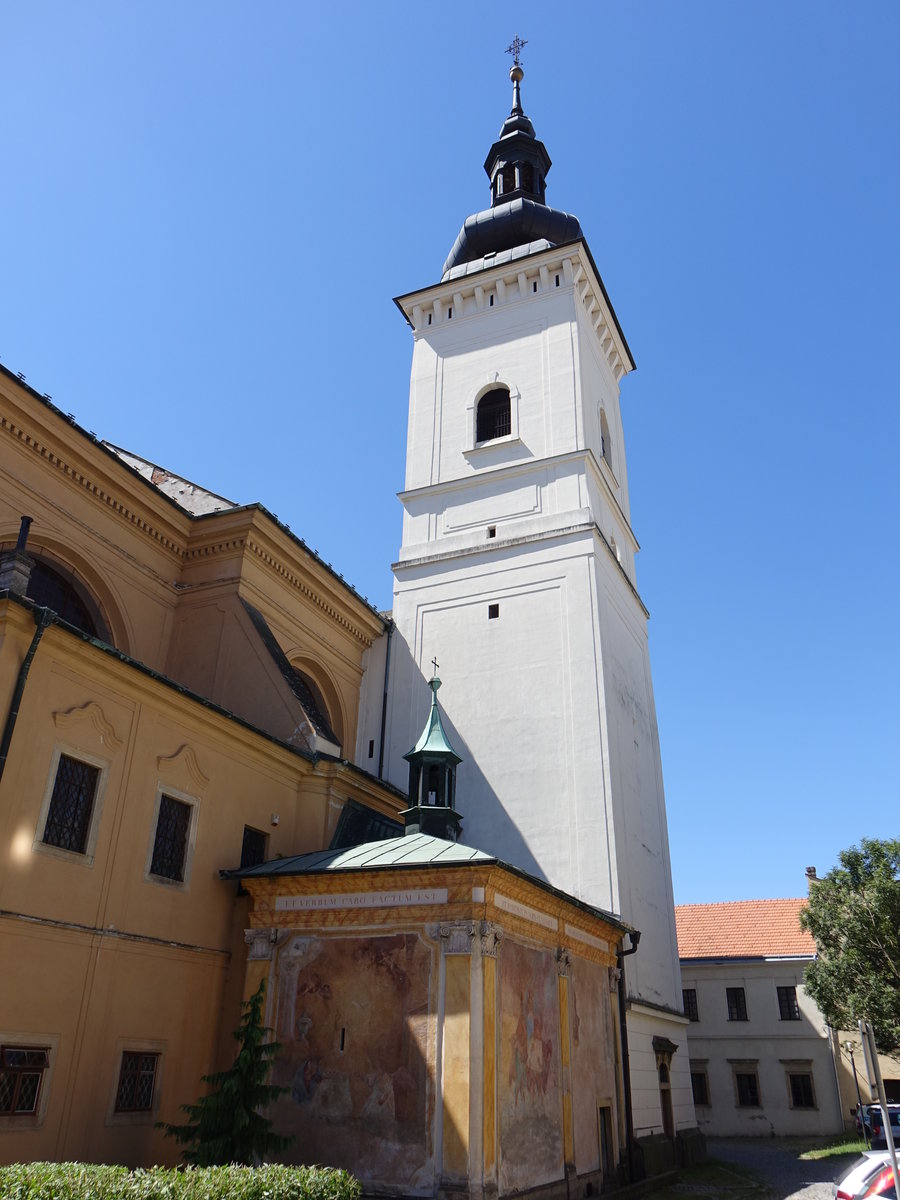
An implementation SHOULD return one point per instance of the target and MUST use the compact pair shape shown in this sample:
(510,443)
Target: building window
(493,416)
(493,612)
(788,1009)
(700,1088)
(737,1004)
(689,999)
(253,847)
(170,842)
(747,1086)
(801,1087)
(137,1077)
(21,1073)
(71,805)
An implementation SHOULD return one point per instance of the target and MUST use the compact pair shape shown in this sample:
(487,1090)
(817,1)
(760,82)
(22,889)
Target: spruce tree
(226,1125)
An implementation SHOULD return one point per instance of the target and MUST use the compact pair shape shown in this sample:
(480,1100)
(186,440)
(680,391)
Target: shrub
(84,1181)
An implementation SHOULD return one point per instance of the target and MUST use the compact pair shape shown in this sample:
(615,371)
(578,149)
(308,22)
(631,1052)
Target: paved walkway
(787,1176)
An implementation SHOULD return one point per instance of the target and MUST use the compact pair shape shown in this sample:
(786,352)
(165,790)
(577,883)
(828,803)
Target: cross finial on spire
(515,49)
(435,664)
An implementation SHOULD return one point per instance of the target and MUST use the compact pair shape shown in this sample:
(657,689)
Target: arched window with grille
(493,415)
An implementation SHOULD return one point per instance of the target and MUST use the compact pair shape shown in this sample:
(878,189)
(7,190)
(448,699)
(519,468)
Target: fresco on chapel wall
(529,1084)
(353,1018)
(593,1058)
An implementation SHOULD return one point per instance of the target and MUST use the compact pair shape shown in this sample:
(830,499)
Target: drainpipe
(42,621)
(626,1067)
(384,699)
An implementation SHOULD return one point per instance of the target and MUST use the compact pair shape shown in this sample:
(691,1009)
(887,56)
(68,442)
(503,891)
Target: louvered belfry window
(170,843)
(492,419)
(71,805)
(136,1079)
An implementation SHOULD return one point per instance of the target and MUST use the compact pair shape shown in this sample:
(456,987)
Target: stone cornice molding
(521,281)
(82,478)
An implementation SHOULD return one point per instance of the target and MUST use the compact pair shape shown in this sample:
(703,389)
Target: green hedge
(84,1181)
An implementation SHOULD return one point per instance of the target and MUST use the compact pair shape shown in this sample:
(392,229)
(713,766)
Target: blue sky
(206,209)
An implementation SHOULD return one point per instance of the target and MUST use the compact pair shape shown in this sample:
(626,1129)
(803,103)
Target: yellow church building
(179,676)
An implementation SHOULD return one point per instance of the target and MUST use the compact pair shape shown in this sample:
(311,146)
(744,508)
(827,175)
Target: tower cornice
(509,279)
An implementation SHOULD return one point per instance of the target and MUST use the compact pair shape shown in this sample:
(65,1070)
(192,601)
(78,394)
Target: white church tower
(517,573)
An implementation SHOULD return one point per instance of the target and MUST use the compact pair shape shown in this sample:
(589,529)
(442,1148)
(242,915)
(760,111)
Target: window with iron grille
(493,418)
(253,847)
(21,1072)
(137,1077)
(747,1086)
(788,1009)
(801,1090)
(170,842)
(689,999)
(71,804)
(737,1004)
(700,1088)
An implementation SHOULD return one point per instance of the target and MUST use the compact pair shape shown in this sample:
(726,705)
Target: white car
(870,1175)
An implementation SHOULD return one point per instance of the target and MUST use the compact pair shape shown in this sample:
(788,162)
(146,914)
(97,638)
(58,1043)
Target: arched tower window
(526,177)
(509,179)
(492,419)
(605,441)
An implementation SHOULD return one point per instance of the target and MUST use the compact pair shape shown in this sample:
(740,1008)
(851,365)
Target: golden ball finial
(516,74)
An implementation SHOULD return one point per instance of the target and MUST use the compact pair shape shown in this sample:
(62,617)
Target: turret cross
(515,49)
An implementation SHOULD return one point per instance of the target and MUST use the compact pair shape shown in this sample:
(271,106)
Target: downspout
(626,1067)
(384,699)
(42,621)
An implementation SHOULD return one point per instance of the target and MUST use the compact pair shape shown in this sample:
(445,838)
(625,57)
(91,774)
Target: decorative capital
(615,974)
(563,961)
(261,943)
(457,936)
(491,937)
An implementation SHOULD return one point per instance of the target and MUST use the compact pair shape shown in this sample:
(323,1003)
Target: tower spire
(516,74)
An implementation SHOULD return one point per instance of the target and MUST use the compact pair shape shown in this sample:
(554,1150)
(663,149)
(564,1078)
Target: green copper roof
(433,739)
(414,850)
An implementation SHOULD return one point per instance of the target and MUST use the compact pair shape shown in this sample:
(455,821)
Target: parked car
(869,1175)
(872,1118)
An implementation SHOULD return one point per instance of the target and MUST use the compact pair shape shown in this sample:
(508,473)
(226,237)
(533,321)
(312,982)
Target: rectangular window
(71,805)
(171,839)
(700,1088)
(493,612)
(137,1077)
(21,1072)
(747,1086)
(253,847)
(737,1004)
(788,1009)
(801,1086)
(689,1000)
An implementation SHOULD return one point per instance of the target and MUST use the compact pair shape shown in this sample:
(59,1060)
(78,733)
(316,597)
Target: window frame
(700,1072)
(745,1068)
(190,838)
(692,1010)
(475,447)
(15,1040)
(138,1116)
(739,1007)
(793,1005)
(85,857)
(806,1073)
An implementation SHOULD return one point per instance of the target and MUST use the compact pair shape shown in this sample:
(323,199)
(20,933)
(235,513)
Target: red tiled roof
(742,929)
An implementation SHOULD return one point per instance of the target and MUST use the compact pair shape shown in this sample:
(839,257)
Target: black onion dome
(517,166)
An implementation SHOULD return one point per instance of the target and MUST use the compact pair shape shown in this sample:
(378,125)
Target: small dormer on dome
(519,219)
(432,779)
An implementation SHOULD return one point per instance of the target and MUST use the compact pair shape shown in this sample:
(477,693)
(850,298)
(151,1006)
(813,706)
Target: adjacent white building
(762,1056)
(516,574)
